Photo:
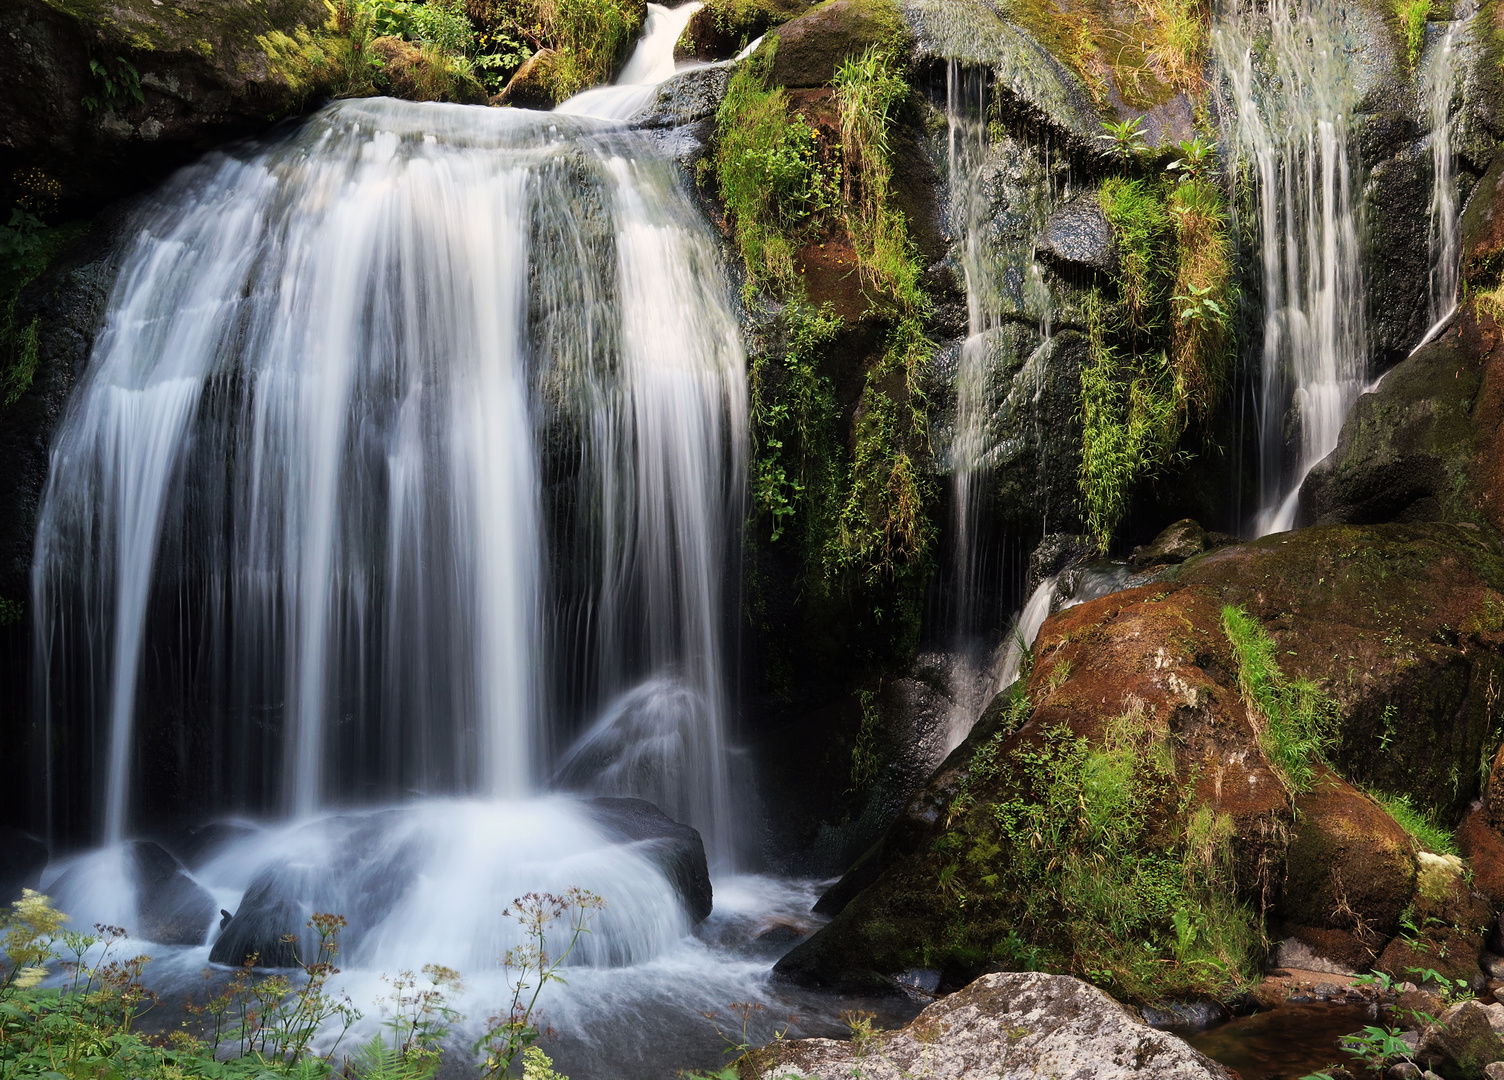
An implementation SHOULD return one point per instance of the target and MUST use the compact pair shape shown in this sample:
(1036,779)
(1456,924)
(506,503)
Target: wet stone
(1078,237)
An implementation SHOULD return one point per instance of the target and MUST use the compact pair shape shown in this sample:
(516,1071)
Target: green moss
(1082,857)
(19,339)
(1412,16)
(1299,722)
(745,20)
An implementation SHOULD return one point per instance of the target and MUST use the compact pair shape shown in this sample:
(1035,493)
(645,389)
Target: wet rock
(1177,543)
(1078,238)
(811,47)
(1405,1070)
(919,983)
(198,845)
(1051,1025)
(345,866)
(22,859)
(1192,1015)
(1334,952)
(171,908)
(677,849)
(1462,1046)
(1056,552)
(688,96)
(1416,1008)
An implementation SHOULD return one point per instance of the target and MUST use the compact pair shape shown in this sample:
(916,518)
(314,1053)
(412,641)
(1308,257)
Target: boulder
(409,72)
(1012,1026)
(171,908)
(1446,928)
(677,849)
(1177,543)
(811,47)
(201,843)
(22,859)
(1054,553)
(1484,849)
(1350,868)
(531,85)
(1079,239)
(686,97)
(1462,1046)
(186,77)
(722,28)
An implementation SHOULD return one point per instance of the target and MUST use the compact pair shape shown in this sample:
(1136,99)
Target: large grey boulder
(677,849)
(1008,1026)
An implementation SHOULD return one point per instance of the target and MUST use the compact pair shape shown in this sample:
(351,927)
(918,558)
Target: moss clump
(1085,858)
(1412,15)
(1299,722)
(1159,348)
(580,42)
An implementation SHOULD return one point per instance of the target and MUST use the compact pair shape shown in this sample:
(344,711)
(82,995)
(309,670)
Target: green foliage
(1195,160)
(117,89)
(1124,138)
(1412,15)
(773,183)
(1160,349)
(864,760)
(444,25)
(590,36)
(1299,722)
(1088,854)
(1428,833)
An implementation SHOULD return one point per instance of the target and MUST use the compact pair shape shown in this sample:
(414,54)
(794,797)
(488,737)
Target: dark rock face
(171,907)
(719,31)
(1056,552)
(209,70)
(1078,238)
(677,849)
(687,97)
(22,859)
(1046,1025)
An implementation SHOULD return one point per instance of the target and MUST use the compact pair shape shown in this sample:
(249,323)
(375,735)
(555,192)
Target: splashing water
(651,63)
(1293,90)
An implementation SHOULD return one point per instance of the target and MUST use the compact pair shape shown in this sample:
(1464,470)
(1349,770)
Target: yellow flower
(28,977)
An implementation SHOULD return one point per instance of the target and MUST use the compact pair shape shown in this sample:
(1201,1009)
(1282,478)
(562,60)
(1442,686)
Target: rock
(1177,543)
(1448,920)
(1484,850)
(721,29)
(1405,1070)
(1460,1048)
(408,72)
(1012,1025)
(1054,553)
(811,47)
(1494,1070)
(198,845)
(22,859)
(342,866)
(1187,1015)
(1417,1008)
(208,72)
(531,85)
(689,96)
(171,908)
(1350,867)
(677,849)
(1078,238)
(1333,952)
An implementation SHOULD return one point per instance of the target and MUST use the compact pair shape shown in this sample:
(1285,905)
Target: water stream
(1438,91)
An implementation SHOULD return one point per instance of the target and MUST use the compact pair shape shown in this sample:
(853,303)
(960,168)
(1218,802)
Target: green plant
(1413,15)
(864,759)
(1449,990)
(1421,825)
(117,89)
(1195,160)
(1297,721)
(1124,138)
(444,25)
(529,969)
(1376,1047)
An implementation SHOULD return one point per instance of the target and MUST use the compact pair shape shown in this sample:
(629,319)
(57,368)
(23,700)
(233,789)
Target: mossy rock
(532,84)
(722,28)
(812,46)
(208,71)
(1350,866)
(409,72)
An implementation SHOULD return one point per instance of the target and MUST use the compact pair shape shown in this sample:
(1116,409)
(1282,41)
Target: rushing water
(1293,91)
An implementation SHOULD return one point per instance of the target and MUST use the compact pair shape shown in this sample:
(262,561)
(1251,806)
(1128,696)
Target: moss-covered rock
(811,47)
(1400,624)
(722,28)
(108,95)
(416,75)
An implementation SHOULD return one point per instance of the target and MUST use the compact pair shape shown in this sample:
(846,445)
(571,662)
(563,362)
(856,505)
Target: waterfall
(651,62)
(1438,87)
(1292,91)
(373,404)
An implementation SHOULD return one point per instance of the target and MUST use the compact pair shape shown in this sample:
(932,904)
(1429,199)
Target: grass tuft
(1298,723)
(1428,834)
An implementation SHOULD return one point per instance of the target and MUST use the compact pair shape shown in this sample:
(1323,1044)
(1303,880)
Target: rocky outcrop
(107,97)
(811,47)
(677,849)
(1393,621)
(171,908)
(722,28)
(1461,1044)
(1011,1026)
(1178,542)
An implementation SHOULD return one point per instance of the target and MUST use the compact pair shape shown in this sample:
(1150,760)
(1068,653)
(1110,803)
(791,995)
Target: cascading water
(1438,90)
(1292,91)
(412,448)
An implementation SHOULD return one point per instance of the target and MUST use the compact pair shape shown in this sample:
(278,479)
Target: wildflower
(28,977)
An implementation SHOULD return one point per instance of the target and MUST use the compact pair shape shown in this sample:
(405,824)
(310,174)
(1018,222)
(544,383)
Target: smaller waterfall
(1444,236)
(1292,92)
(652,62)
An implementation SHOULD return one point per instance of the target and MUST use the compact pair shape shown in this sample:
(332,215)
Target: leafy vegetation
(1159,349)
(252,1027)
(1428,833)
(1412,15)
(1298,722)
(1088,854)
